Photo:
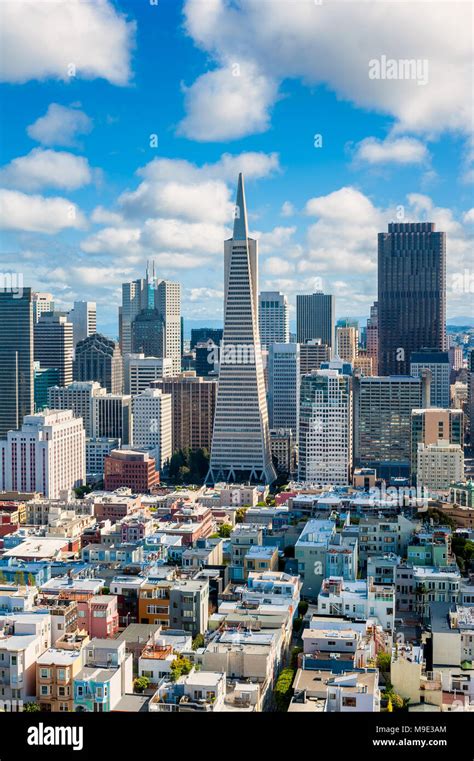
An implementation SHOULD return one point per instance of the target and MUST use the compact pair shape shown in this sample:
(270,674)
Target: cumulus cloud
(46,169)
(329,44)
(287,209)
(34,213)
(60,126)
(43,40)
(228,103)
(403,150)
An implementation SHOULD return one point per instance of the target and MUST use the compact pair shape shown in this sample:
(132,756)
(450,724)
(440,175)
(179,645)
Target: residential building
(358,600)
(152,424)
(189,605)
(429,426)
(23,638)
(439,465)
(325,428)
(47,455)
(55,672)
(105,677)
(321,552)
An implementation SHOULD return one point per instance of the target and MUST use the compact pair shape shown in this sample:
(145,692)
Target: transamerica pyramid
(240,450)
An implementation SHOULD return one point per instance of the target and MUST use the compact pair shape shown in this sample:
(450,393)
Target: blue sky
(89,194)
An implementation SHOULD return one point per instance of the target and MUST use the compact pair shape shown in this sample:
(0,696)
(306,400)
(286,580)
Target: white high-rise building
(437,362)
(152,423)
(439,465)
(273,318)
(48,454)
(76,397)
(325,428)
(42,302)
(83,316)
(241,439)
(134,299)
(284,385)
(168,304)
(141,371)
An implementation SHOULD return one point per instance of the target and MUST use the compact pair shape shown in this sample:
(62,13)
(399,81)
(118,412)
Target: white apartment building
(325,428)
(77,396)
(47,455)
(358,600)
(141,371)
(273,318)
(152,423)
(23,638)
(439,465)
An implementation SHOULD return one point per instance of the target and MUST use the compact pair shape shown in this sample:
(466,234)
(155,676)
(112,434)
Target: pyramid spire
(240,212)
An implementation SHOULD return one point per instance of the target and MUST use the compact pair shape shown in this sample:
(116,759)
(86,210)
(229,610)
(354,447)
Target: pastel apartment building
(358,600)
(106,676)
(23,638)
(55,672)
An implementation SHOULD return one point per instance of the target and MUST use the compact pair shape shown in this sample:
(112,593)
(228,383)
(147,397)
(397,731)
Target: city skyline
(329,164)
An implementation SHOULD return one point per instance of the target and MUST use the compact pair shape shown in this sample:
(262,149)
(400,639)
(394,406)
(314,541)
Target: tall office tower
(411,293)
(325,429)
(312,354)
(134,299)
(76,397)
(141,371)
(42,302)
(284,385)
(241,439)
(148,333)
(54,344)
(428,426)
(47,455)
(206,358)
(315,318)
(372,337)
(437,362)
(193,409)
(99,359)
(273,318)
(347,343)
(168,304)
(43,380)
(83,316)
(16,358)
(470,397)
(112,417)
(382,421)
(152,424)
(202,335)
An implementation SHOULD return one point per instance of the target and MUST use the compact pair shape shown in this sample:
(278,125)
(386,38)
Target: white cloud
(276,238)
(101,216)
(222,105)
(287,209)
(208,201)
(46,168)
(404,150)
(113,241)
(469,216)
(183,236)
(277,265)
(60,126)
(22,212)
(331,44)
(42,40)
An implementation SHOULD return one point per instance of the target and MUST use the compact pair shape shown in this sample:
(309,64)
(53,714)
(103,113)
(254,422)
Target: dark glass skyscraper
(16,358)
(411,293)
(315,318)
(99,359)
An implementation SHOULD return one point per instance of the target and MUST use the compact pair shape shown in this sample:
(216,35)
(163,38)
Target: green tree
(383,662)
(283,691)
(179,667)
(240,514)
(31,707)
(141,683)
(302,607)
(31,580)
(295,651)
(198,641)
(225,530)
